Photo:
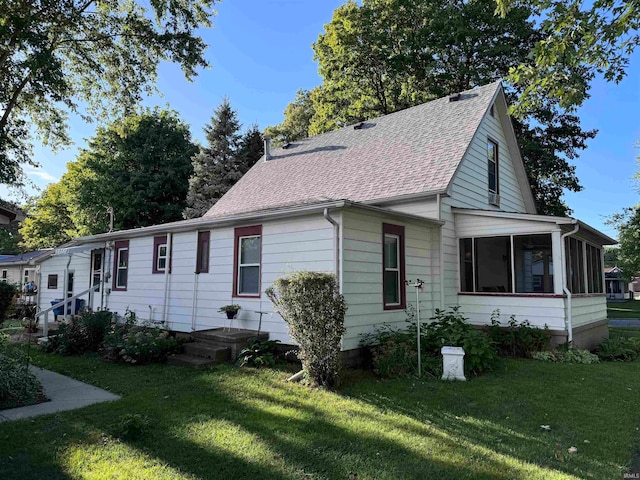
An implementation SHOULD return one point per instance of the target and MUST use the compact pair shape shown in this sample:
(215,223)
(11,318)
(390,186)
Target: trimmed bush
(18,385)
(313,308)
(518,339)
(83,334)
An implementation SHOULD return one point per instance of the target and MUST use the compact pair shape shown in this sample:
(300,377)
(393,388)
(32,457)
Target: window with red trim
(160,254)
(247,261)
(393,286)
(120,265)
(202,254)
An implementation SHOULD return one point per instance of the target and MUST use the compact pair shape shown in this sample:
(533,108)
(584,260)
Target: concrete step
(218,353)
(184,360)
(221,336)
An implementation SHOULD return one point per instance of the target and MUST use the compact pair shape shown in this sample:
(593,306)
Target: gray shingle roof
(408,152)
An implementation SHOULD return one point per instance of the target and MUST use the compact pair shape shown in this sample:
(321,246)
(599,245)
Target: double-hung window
(393,287)
(121,265)
(202,252)
(160,254)
(247,261)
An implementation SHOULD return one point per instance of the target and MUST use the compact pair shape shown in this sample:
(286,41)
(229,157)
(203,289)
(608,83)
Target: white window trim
(495,163)
(396,270)
(118,268)
(161,257)
(242,265)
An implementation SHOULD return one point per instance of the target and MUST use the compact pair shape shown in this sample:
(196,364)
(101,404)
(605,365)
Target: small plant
(517,339)
(259,354)
(230,308)
(132,427)
(313,308)
(566,356)
(30,324)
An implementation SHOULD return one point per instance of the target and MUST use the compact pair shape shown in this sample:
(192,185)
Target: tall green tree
(95,57)
(139,165)
(580,39)
(297,119)
(384,55)
(48,223)
(226,158)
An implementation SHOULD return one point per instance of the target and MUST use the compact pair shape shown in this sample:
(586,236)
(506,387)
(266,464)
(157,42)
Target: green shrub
(259,354)
(619,348)
(314,310)
(132,427)
(83,334)
(7,292)
(566,356)
(518,339)
(139,345)
(395,352)
(18,385)
(396,356)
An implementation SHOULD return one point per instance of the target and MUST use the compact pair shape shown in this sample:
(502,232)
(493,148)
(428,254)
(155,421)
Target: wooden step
(184,360)
(204,350)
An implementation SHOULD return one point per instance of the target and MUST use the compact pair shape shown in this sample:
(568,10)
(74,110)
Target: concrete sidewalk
(65,394)
(624,322)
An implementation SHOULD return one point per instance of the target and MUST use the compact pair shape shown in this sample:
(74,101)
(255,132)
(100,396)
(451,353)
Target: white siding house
(437,192)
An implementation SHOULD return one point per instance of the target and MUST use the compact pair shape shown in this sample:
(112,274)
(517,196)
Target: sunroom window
(506,264)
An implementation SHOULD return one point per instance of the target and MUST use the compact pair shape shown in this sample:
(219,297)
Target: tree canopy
(580,39)
(227,156)
(381,56)
(139,165)
(93,57)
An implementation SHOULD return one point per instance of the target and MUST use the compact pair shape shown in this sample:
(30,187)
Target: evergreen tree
(219,165)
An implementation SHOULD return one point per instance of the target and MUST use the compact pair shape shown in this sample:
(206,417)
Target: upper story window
(492,167)
(202,252)
(393,267)
(160,254)
(247,261)
(121,265)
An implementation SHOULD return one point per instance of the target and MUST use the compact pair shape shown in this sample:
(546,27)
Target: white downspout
(167,267)
(195,302)
(441,248)
(336,246)
(565,289)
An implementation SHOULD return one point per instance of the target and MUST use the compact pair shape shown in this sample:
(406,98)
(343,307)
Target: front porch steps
(211,347)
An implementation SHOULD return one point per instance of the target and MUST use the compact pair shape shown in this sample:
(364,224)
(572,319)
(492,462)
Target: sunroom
(547,270)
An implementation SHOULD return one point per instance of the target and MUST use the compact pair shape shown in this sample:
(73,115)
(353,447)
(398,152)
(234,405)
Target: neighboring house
(615,285)
(436,192)
(7,215)
(22,269)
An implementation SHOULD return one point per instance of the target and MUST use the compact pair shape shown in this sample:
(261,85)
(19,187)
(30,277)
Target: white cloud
(40,173)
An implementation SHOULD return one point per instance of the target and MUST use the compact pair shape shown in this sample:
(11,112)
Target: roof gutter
(565,289)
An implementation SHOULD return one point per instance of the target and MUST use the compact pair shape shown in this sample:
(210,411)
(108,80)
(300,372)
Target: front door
(97,263)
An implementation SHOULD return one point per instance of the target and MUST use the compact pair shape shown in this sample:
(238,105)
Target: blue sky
(260,55)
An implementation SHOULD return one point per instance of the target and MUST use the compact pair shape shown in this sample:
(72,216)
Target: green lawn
(627,309)
(240,423)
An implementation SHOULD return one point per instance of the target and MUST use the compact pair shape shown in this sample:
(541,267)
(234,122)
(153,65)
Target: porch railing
(71,301)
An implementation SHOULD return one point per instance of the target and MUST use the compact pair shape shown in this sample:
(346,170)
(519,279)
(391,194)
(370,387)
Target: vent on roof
(455,97)
(358,126)
(286,145)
